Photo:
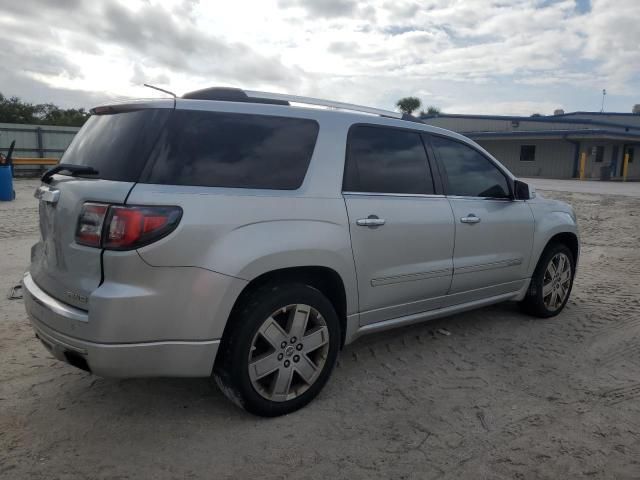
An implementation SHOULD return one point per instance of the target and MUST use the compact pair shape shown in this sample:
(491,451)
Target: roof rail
(322,103)
(227,94)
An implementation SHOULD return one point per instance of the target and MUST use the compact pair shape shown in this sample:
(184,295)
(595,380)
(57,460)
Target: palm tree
(408,104)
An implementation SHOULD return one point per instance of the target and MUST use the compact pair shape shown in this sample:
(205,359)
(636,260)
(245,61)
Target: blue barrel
(6,183)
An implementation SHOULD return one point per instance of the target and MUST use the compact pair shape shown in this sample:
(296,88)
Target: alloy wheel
(556,282)
(288,352)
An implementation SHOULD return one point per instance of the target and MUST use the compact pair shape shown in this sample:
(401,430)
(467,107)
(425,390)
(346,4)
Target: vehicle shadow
(185,399)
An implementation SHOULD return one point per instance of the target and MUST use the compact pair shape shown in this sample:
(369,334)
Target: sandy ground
(630,189)
(504,396)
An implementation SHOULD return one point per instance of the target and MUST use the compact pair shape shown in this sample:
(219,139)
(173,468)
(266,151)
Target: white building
(551,146)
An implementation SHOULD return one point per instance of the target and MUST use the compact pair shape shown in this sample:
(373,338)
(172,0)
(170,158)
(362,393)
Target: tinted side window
(386,160)
(468,172)
(216,149)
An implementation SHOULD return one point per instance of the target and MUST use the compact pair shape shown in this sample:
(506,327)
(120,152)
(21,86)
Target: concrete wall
(553,159)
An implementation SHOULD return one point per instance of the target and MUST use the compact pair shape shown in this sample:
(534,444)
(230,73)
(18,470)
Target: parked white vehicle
(229,233)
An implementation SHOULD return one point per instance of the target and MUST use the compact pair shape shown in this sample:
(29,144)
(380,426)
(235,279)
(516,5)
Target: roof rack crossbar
(323,103)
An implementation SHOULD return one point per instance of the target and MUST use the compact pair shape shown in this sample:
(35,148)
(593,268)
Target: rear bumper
(145,359)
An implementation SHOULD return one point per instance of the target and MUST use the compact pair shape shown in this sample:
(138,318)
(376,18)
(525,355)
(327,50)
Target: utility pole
(604,92)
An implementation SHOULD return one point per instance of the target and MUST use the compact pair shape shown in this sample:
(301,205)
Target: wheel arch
(325,279)
(568,238)
(533,302)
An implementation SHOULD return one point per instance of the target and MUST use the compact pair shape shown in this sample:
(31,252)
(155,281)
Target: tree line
(14,110)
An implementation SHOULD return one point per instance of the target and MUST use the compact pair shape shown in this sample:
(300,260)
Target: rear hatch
(116,143)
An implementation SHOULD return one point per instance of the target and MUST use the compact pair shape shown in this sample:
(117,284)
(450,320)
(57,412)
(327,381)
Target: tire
(548,294)
(263,334)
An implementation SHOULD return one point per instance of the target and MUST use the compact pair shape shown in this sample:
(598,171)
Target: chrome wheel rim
(288,352)
(556,282)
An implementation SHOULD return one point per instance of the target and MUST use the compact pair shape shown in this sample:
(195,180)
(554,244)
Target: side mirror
(523,191)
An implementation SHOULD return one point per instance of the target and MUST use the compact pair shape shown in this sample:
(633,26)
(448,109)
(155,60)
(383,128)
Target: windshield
(117,145)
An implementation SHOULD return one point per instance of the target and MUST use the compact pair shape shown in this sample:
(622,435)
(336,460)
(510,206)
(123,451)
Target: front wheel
(280,349)
(551,282)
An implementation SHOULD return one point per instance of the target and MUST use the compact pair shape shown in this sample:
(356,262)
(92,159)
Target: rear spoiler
(132,106)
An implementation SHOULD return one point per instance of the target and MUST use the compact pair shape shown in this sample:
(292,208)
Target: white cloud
(498,57)
(612,40)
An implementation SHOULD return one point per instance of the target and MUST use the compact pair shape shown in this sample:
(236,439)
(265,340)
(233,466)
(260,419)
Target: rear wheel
(280,349)
(551,282)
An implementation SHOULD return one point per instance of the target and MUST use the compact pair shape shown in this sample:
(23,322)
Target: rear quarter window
(215,149)
(117,145)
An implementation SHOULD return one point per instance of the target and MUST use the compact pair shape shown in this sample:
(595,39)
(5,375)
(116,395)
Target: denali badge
(76,296)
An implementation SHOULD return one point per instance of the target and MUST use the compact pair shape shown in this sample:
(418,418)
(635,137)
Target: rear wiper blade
(68,167)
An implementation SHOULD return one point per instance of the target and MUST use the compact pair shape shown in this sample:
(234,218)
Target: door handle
(370,221)
(471,218)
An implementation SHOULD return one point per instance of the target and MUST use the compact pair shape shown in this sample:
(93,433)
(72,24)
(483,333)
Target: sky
(514,57)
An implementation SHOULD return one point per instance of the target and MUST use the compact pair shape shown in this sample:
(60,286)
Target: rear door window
(215,149)
(468,173)
(386,160)
(117,145)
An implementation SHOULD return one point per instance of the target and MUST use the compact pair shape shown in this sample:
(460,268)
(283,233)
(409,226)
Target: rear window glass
(233,150)
(117,145)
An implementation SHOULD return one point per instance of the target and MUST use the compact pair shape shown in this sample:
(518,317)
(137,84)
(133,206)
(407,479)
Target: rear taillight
(89,229)
(132,227)
(124,228)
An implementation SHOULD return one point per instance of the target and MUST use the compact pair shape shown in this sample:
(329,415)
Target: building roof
(622,114)
(570,134)
(542,119)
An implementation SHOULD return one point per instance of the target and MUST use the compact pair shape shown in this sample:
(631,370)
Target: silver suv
(241,235)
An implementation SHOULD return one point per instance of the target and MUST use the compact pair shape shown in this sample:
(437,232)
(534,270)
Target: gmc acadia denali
(244,236)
